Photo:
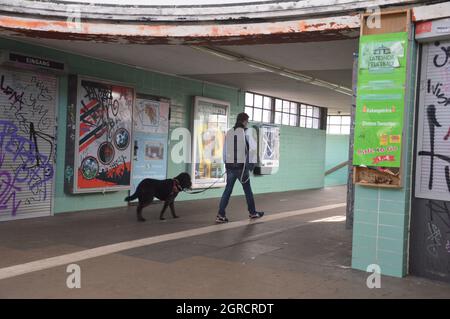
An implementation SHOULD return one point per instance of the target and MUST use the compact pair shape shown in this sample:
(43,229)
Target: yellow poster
(209,129)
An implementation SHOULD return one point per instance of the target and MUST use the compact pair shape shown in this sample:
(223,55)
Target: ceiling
(330,61)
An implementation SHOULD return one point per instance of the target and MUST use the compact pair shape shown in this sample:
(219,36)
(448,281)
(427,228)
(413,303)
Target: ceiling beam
(307,30)
(186,13)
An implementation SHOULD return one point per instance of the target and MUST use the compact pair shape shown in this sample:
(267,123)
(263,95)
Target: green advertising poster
(380,100)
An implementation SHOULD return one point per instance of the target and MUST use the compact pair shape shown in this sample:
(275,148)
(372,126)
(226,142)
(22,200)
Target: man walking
(237,149)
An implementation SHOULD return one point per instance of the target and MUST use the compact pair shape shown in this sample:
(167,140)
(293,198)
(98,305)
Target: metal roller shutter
(434,102)
(27,143)
(430,205)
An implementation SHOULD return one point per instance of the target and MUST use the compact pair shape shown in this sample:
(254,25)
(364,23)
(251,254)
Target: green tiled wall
(381,216)
(302,157)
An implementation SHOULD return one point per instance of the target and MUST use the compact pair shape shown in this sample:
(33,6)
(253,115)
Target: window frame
(312,117)
(340,125)
(263,109)
(317,116)
(289,114)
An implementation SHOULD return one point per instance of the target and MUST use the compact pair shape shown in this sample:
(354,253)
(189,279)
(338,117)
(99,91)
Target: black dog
(165,190)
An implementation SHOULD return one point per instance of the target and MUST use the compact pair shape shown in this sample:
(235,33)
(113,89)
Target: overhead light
(298,77)
(291,76)
(264,66)
(346,92)
(335,87)
(259,67)
(215,52)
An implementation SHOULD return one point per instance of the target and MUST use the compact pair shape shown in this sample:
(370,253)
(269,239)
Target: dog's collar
(176,188)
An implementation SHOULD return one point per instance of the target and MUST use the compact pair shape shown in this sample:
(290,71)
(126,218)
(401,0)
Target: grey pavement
(302,256)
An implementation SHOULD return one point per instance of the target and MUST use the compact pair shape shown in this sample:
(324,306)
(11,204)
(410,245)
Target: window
(258,107)
(286,112)
(309,116)
(338,124)
(266,109)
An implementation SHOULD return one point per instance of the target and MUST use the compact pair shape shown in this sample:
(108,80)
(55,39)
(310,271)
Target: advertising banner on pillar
(380,100)
(103,136)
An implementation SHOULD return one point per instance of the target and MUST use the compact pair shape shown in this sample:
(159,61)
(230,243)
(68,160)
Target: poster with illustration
(151,115)
(270,145)
(210,125)
(103,137)
(154,151)
(151,132)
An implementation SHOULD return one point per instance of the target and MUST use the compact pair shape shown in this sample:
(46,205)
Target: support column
(381,214)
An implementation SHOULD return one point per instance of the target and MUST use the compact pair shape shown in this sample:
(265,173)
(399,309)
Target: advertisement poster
(380,100)
(270,150)
(103,155)
(151,116)
(209,129)
(151,129)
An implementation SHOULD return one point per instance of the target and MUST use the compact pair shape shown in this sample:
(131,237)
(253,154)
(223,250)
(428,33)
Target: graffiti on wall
(104,115)
(430,205)
(433,168)
(437,237)
(441,58)
(31,169)
(27,144)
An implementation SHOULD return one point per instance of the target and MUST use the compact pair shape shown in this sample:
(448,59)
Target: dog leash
(204,190)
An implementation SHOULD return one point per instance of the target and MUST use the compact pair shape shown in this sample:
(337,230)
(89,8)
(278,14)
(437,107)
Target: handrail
(337,167)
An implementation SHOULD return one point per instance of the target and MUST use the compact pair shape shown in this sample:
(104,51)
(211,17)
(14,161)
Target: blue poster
(150,160)
(151,130)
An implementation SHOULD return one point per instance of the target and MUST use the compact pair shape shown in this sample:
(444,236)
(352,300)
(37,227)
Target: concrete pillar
(381,215)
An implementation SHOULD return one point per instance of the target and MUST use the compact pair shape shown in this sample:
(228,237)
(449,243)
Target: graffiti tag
(441,59)
(33,170)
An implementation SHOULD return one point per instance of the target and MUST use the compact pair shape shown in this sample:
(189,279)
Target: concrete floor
(290,257)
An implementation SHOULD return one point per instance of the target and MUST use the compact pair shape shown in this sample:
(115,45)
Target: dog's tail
(131,197)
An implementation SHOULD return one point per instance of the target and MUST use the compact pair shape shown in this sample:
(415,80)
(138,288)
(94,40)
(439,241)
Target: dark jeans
(232,176)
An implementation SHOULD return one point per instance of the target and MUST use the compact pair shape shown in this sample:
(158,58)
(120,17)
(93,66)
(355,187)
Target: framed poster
(151,114)
(210,124)
(151,133)
(103,137)
(268,149)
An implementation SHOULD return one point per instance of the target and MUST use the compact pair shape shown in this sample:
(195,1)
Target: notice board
(381,100)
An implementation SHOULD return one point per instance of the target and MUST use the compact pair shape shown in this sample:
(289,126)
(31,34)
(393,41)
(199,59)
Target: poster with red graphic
(103,136)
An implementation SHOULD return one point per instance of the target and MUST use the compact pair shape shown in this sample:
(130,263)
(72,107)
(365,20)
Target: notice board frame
(391,22)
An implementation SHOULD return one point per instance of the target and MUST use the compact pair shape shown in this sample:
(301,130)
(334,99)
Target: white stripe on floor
(47,263)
